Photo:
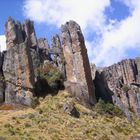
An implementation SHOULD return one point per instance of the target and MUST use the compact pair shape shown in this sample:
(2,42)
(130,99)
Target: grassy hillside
(48,121)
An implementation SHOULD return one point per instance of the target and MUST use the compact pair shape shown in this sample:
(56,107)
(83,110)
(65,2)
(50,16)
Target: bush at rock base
(107,108)
(49,78)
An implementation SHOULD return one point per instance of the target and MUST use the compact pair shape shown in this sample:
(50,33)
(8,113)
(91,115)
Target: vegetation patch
(48,121)
(50,79)
(104,108)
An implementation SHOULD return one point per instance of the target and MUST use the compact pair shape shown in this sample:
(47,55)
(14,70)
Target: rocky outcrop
(70,109)
(57,52)
(18,64)
(44,49)
(26,55)
(30,35)
(2,82)
(93,70)
(77,63)
(121,82)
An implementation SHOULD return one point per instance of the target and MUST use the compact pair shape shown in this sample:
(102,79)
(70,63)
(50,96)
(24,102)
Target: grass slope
(48,121)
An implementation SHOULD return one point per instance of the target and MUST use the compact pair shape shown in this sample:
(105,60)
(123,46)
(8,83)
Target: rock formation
(2,82)
(17,66)
(25,54)
(57,51)
(28,29)
(121,81)
(44,49)
(78,73)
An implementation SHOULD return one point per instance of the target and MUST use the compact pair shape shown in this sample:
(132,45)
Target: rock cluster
(19,64)
(121,82)
(25,54)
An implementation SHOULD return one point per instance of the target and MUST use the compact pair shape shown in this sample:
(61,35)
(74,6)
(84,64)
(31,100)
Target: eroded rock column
(78,73)
(57,52)
(17,67)
(2,82)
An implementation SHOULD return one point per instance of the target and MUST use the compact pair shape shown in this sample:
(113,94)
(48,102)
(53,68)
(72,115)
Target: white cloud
(57,12)
(113,39)
(123,36)
(2,42)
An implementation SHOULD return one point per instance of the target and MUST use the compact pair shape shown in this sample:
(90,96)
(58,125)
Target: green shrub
(50,77)
(125,88)
(107,108)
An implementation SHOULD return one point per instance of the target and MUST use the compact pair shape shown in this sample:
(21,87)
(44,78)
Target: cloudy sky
(111,27)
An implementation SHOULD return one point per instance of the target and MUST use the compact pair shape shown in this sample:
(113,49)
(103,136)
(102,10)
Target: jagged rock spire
(18,63)
(77,62)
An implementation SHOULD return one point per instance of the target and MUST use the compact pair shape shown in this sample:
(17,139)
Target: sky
(110,27)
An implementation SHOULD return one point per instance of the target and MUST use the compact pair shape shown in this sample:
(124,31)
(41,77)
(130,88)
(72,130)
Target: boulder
(70,109)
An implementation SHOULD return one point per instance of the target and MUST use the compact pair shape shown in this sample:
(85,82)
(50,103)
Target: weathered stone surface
(56,44)
(135,137)
(28,27)
(13,33)
(2,82)
(93,70)
(77,63)
(17,66)
(29,33)
(121,81)
(70,109)
(57,52)
(44,50)
(138,69)
(77,90)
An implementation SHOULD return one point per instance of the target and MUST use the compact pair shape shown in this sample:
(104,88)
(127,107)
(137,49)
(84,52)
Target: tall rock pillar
(2,82)
(17,67)
(78,73)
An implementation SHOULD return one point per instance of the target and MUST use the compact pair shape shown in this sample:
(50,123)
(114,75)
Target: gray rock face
(53,54)
(77,63)
(20,62)
(121,81)
(13,33)
(57,52)
(70,109)
(137,61)
(44,50)
(17,65)
(2,82)
(93,70)
(28,28)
